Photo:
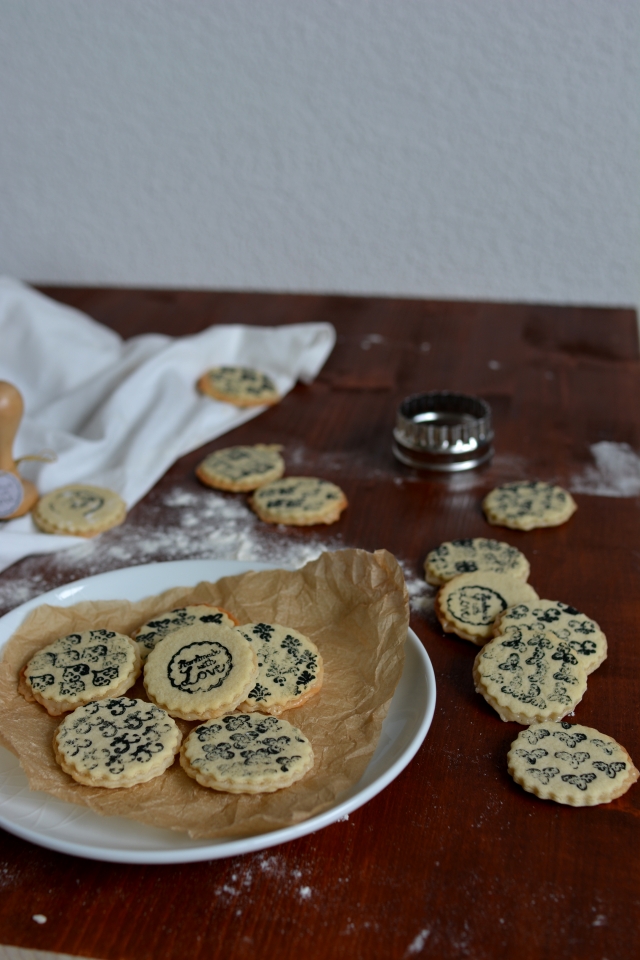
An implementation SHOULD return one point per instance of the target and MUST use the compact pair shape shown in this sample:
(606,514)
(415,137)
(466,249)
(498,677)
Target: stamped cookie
(116,743)
(584,636)
(80,510)
(468,604)
(469,556)
(246,753)
(242,468)
(530,677)
(242,386)
(570,764)
(290,668)
(79,668)
(152,632)
(201,671)
(528,504)
(299,501)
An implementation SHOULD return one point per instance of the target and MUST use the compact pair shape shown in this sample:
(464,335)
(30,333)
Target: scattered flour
(417,944)
(305,893)
(616,473)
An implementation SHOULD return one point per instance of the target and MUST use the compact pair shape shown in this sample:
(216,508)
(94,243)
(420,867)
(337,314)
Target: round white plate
(67,828)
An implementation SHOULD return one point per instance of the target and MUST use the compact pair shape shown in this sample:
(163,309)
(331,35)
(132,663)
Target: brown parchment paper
(351,603)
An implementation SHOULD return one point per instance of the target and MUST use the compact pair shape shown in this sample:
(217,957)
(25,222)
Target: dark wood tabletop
(452,859)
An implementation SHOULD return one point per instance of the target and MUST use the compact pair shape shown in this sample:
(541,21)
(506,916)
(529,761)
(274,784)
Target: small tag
(11,493)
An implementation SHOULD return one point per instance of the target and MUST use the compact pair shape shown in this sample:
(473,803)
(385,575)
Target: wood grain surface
(453,859)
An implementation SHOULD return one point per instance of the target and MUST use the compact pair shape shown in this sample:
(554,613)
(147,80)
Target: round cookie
(525,505)
(242,386)
(79,668)
(241,468)
(299,501)
(468,604)
(79,509)
(529,677)
(153,631)
(246,753)
(584,636)
(116,743)
(290,668)
(570,764)
(469,556)
(201,671)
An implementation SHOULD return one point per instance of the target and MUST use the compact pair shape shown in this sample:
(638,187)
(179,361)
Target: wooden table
(452,859)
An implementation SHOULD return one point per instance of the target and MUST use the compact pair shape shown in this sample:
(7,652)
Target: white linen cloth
(119,412)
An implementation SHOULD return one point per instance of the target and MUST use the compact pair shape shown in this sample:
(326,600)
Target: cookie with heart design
(246,753)
(290,668)
(525,505)
(116,743)
(299,501)
(242,386)
(79,668)
(584,636)
(468,604)
(153,631)
(201,671)
(79,509)
(454,557)
(530,677)
(571,764)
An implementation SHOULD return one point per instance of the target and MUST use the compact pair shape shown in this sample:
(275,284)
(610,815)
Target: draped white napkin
(119,412)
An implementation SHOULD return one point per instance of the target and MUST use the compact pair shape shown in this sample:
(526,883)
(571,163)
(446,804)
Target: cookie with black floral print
(530,677)
(290,668)
(454,557)
(201,671)
(299,501)
(571,764)
(246,753)
(79,668)
(525,505)
(160,626)
(242,386)
(242,468)
(116,743)
(584,636)
(79,509)
(468,604)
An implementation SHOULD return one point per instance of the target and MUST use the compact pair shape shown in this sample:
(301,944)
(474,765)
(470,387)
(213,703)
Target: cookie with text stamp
(584,636)
(530,677)
(246,753)
(454,557)
(80,510)
(116,743)
(571,764)
(153,631)
(290,668)
(201,671)
(468,604)
(240,469)
(79,668)
(299,501)
(242,386)
(525,505)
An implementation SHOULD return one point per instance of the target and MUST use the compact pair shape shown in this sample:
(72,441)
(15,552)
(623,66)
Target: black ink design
(199,667)
(573,759)
(581,781)
(610,769)
(532,756)
(544,775)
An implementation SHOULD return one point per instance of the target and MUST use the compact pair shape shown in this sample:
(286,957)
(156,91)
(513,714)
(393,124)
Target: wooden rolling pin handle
(11,409)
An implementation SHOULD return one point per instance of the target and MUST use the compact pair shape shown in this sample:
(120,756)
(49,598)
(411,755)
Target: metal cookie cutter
(443,431)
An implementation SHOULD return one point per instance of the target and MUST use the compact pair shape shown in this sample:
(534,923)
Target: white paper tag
(11,493)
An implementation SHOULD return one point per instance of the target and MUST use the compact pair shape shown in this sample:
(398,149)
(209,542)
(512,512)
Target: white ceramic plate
(67,828)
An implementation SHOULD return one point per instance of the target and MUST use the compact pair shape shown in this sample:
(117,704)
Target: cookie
(242,386)
(79,509)
(469,556)
(116,743)
(246,753)
(241,468)
(584,636)
(290,668)
(79,668)
(201,671)
(468,604)
(151,632)
(530,677)
(528,504)
(299,501)
(570,764)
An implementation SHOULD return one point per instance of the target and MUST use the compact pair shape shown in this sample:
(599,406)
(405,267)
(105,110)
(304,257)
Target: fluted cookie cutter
(443,431)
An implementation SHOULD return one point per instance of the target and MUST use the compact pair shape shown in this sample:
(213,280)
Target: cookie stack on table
(199,665)
(536,654)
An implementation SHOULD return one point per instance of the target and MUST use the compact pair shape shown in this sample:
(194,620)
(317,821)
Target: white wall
(440,148)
